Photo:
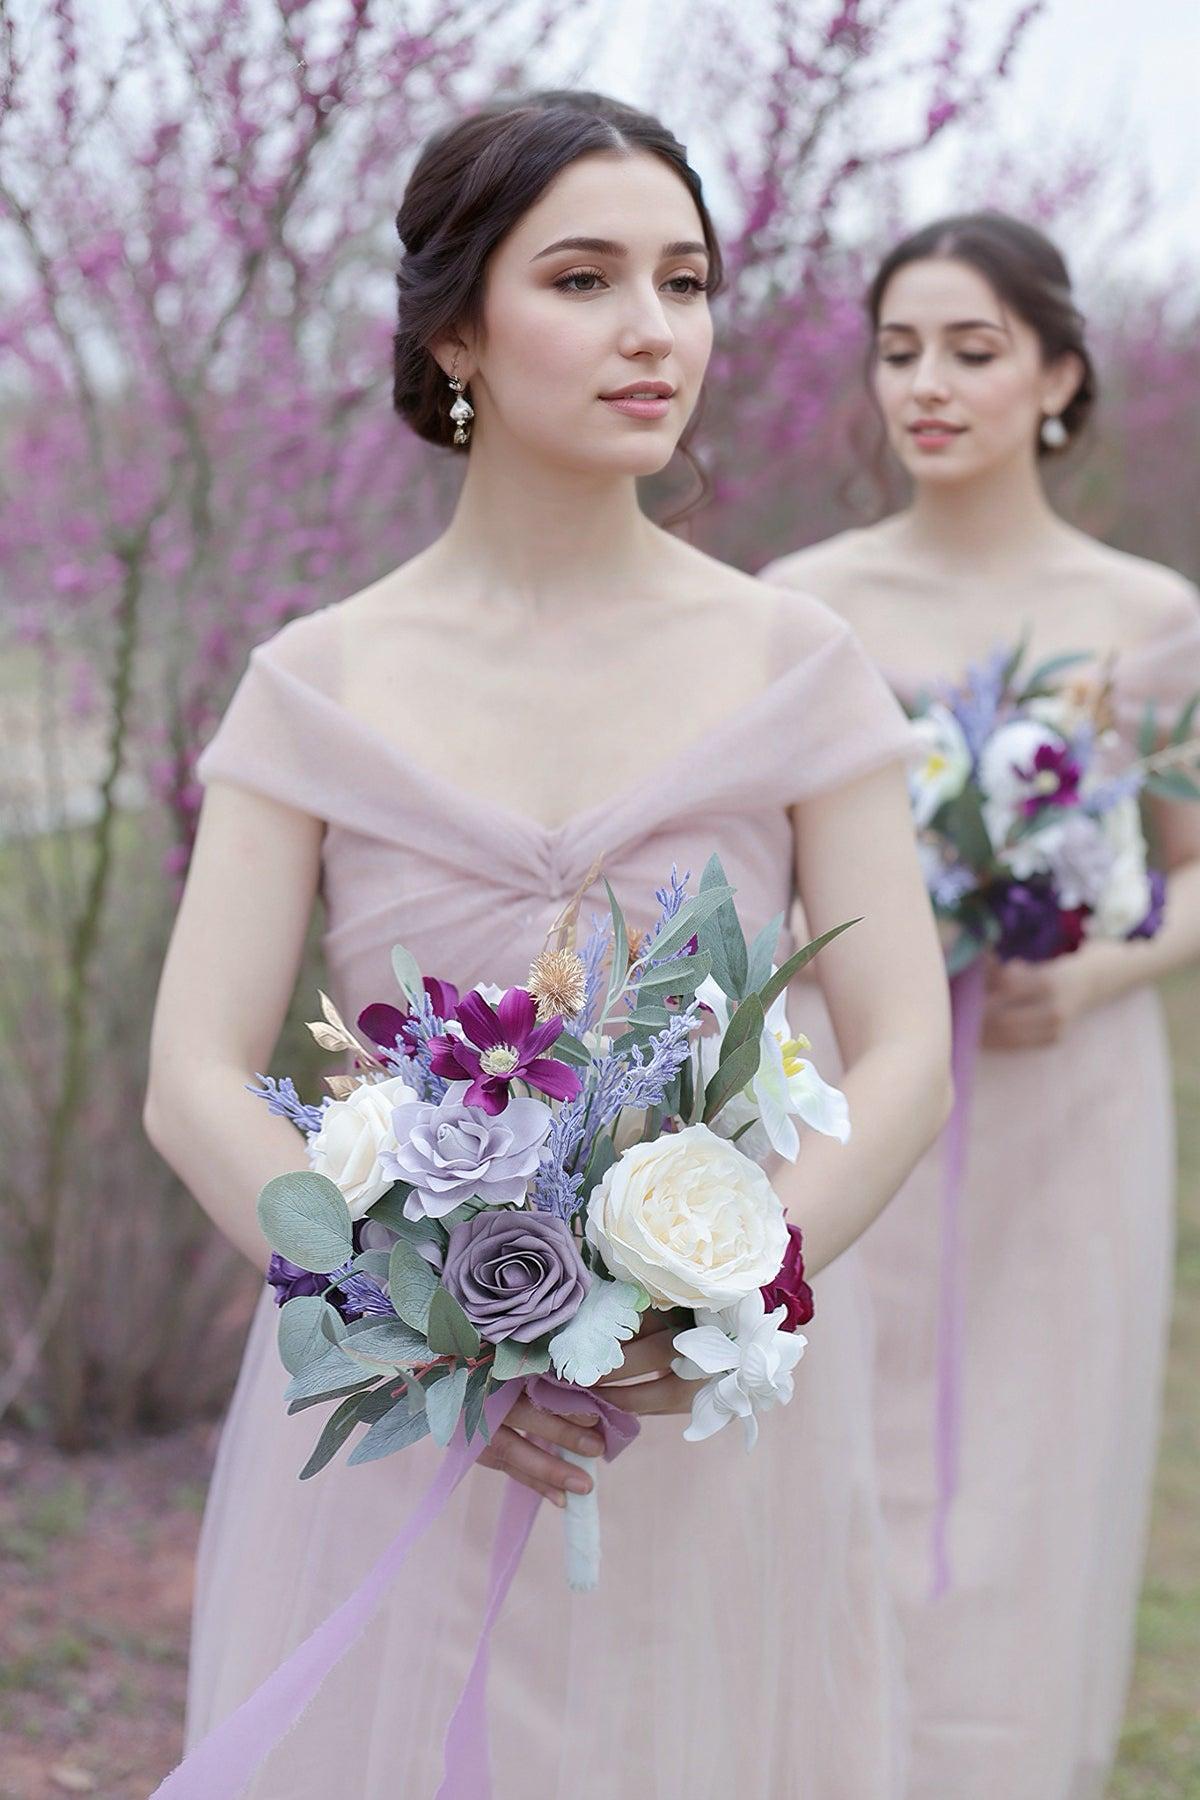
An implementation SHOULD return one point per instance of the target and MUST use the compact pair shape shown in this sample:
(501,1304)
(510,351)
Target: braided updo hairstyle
(1029,275)
(471,185)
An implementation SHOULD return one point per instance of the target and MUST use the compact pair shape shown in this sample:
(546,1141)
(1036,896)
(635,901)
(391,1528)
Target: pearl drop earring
(462,412)
(1054,433)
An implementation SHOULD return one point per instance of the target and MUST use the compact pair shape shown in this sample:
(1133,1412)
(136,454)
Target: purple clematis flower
(500,1045)
(1033,926)
(387,1025)
(1055,775)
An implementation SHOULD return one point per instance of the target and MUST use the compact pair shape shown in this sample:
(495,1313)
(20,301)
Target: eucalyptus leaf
(407,971)
(961,820)
(305,1217)
(513,1360)
(653,1017)
(373,1263)
(1036,681)
(746,1026)
(589,1346)
(396,1430)
(325,1374)
(411,1284)
(1172,784)
(620,952)
(340,1423)
(473,1416)
(389,1209)
(762,954)
(1147,731)
(1185,721)
(797,961)
(444,1402)
(567,1048)
(692,920)
(964,951)
(388,1344)
(731,1077)
(301,1335)
(451,1333)
(681,975)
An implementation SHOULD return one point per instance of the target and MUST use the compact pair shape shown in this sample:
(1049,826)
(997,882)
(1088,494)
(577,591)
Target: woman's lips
(934,434)
(639,406)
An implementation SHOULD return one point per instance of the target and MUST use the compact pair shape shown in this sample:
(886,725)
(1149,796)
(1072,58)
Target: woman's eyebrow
(957,325)
(607,247)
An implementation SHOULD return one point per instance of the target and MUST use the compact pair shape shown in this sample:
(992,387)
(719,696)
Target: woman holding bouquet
(554,686)
(1019,1671)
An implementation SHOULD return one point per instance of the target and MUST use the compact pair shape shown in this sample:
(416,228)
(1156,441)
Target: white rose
(1126,896)
(690,1219)
(1006,752)
(941,762)
(353,1137)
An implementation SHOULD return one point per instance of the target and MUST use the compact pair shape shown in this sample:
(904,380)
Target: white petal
(708,1348)
(821,1106)
(708,1415)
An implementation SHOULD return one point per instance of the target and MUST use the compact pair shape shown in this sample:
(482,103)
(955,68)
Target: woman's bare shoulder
(1149,598)
(833,568)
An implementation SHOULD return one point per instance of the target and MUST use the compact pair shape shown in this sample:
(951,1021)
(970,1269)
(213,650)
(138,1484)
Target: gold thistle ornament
(462,412)
(558,982)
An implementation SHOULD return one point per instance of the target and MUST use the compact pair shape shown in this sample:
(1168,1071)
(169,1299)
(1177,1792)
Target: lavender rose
(515,1274)
(451,1152)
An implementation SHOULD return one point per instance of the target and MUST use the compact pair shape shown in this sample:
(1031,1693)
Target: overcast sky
(1121,73)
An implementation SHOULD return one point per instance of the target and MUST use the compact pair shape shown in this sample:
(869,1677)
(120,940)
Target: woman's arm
(884,982)
(226,983)
(1033,1003)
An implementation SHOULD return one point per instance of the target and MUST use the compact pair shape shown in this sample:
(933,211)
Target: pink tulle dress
(1019,1674)
(741,1643)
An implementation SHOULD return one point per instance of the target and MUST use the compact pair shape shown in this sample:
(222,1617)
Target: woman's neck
(996,522)
(545,541)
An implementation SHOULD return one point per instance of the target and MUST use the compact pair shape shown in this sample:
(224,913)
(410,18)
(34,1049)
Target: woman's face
(596,329)
(960,379)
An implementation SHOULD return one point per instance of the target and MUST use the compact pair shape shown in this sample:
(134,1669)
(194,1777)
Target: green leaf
(514,1360)
(341,1423)
(473,1417)
(746,1026)
(1016,657)
(301,1330)
(389,1210)
(305,1217)
(1173,784)
(601,1160)
(720,932)
(654,1017)
(1185,721)
(388,1344)
(690,921)
(444,1402)
(963,952)
(1148,731)
(762,954)
(408,974)
(399,1427)
(731,1077)
(590,1345)
(682,975)
(327,1374)
(451,1333)
(687,1091)
(1037,679)
(620,952)
(411,1284)
(799,960)
(569,1049)
(372,1262)
(742,1130)
(961,820)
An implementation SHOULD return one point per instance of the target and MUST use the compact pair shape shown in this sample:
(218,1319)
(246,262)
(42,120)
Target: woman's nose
(929,378)
(645,330)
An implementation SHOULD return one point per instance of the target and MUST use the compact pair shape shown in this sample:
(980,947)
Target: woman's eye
(579,281)
(687,285)
(976,357)
(897,358)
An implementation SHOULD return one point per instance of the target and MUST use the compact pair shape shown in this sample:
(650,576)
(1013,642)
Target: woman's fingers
(665,1394)
(572,1433)
(547,1474)
(649,1355)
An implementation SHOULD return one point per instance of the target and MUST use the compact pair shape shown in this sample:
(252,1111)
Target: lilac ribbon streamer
(967,993)
(231,1754)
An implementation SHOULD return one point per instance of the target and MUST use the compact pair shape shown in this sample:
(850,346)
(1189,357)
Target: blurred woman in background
(1019,1673)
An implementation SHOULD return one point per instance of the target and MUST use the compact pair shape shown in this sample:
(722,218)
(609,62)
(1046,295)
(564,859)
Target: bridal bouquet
(510,1179)
(1030,836)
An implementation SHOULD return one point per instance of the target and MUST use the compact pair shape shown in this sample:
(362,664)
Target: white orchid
(1006,773)
(748,1360)
(941,762)
(786,1085)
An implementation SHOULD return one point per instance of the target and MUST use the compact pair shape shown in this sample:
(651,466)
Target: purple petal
(517,1015)
(479,1021)
(452,1059)
(553,1078)
(542,1036)
(382,1023)
(443,996)
(487,1092)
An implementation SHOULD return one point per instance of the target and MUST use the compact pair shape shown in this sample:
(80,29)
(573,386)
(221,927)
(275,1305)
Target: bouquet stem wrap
(230,1755)
(967,992)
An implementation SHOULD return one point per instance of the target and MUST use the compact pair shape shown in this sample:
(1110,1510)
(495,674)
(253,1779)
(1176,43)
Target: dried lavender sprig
(594,955)
(424,1026)
(282,1099)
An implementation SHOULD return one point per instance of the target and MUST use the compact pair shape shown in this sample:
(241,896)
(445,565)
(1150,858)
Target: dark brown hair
(1028,274)
(471,185)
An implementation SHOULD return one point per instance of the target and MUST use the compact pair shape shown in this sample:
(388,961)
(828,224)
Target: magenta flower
(500,1045)
(1054,775)
(386,1025)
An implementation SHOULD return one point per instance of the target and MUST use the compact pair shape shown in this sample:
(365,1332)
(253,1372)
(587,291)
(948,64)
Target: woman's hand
(513,1452)
(1032,1004)
(653,1388)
